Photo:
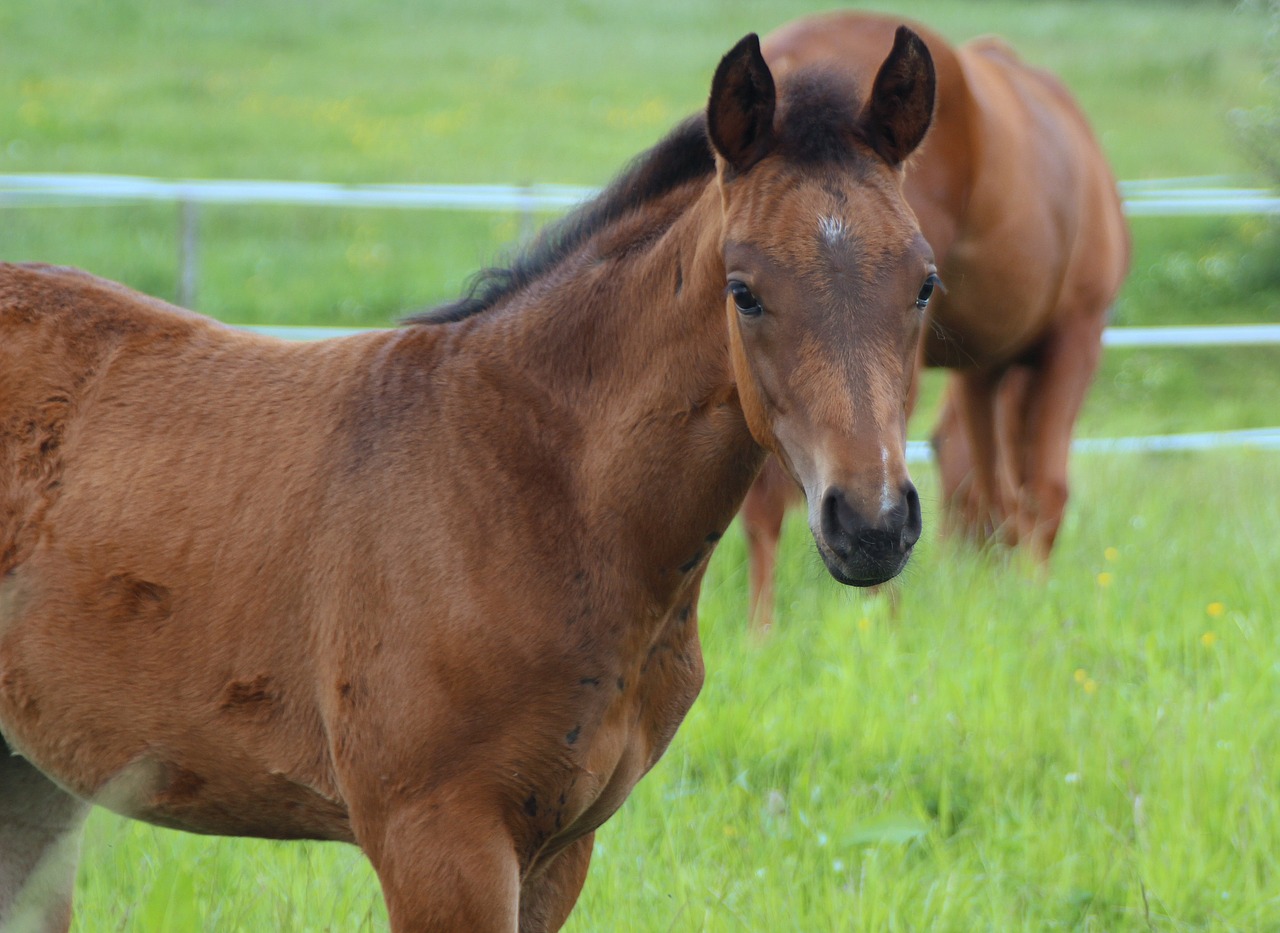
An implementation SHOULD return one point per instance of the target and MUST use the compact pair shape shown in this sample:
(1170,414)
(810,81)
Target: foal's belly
(131,723)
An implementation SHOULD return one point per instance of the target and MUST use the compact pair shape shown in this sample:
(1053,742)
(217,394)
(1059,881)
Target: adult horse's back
(433,590)
(1015,196)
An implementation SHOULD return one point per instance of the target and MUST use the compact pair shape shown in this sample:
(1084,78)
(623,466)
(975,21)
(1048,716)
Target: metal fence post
(188,251)
(527,206)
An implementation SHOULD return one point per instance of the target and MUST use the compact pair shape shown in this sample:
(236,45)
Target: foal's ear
(740,109)
(901,105)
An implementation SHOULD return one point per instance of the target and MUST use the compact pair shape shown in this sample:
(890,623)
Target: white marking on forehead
(887,498)
(831,229)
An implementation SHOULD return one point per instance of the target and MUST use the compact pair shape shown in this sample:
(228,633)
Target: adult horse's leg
(1013,398)
(762,514)
(443,865)
(974,392)
(547,897)
(40,827)
(950,445)
(1054,398)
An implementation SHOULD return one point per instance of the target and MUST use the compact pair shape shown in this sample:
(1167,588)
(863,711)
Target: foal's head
(828,278)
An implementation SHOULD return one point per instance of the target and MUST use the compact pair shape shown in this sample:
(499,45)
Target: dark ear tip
(906,39)
(747,45)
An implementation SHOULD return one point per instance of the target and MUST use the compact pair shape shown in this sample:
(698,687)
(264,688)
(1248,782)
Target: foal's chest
(626,727)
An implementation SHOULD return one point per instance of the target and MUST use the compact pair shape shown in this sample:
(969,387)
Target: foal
(433,590)
(1015,196)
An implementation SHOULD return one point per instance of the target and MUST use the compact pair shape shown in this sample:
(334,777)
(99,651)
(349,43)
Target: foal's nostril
(840,523)
(914,523)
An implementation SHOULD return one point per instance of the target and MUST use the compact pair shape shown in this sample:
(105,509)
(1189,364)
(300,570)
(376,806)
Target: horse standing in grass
(433,590)
(1015,196)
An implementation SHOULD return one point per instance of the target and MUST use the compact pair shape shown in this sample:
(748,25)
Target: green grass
(998,753)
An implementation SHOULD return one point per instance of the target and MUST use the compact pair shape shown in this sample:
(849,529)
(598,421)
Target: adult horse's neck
(616,362)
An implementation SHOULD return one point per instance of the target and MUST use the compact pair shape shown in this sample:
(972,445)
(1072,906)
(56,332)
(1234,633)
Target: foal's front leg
(548,896)
(445,865)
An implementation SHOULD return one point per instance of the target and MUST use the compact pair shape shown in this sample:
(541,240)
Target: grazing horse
(1015,196)
(433,590)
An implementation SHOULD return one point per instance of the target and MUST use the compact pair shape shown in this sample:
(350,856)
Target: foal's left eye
(926,291)
(746,302)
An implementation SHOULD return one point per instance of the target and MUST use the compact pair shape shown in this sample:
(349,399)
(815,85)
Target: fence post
(525,197)
(188,251)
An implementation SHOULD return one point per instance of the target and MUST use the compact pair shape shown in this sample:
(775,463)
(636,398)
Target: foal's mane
(817,124)
(683,156)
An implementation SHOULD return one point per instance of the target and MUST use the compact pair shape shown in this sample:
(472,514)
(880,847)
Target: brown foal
(1016,198)
(433,590)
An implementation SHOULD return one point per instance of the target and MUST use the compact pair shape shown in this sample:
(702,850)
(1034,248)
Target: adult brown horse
(1016,198)
(432,590)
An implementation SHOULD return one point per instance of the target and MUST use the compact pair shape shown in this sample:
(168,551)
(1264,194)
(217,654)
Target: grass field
(1098,751)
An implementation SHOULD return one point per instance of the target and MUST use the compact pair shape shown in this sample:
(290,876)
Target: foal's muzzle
(862,552)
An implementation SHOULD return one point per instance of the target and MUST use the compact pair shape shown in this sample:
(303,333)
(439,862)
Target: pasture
(1095,751)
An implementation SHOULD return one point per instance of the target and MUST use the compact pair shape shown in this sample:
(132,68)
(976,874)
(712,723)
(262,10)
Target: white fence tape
(1257,438)
(1147,197)
(32,190)
(1216,335)
(1225,335)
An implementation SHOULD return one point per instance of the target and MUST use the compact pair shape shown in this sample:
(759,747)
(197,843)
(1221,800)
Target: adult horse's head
(828,277)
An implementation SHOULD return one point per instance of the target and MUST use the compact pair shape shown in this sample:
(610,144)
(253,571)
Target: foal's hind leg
(40,826)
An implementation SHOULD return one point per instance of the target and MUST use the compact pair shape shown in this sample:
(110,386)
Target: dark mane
(684,155)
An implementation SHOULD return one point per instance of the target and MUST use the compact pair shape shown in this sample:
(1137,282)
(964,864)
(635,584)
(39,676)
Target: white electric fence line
(1257,438)
(19,190)
(1155,197)
(1226,335)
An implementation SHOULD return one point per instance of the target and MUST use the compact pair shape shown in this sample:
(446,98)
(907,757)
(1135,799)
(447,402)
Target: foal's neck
(631,346)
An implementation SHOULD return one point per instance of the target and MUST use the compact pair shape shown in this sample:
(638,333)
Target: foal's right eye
(746,302)
(926,291)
